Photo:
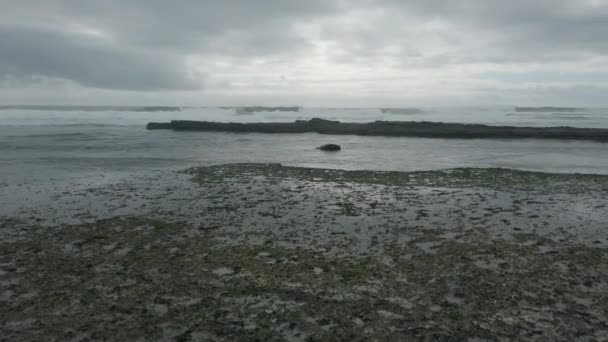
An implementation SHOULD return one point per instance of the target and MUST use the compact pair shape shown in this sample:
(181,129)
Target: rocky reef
(392,128)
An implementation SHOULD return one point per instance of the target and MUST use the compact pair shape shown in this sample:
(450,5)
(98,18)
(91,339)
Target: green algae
(172,277)
(495,178)
(277,257)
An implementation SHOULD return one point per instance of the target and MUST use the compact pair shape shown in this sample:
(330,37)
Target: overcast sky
(304,52)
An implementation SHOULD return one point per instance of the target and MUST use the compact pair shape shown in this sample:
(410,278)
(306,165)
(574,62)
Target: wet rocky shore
(271,252)
(392,128)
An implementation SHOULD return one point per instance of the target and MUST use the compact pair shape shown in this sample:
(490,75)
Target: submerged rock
(330,148)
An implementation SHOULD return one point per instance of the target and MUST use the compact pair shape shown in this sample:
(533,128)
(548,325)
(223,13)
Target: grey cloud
(522,30)
(89,61)
(473,31)
(190,25)
(148,41)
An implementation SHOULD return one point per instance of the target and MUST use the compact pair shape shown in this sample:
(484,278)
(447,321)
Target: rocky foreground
(269,252)
(392,128)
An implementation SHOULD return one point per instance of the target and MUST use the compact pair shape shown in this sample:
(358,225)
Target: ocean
(53,144)
(97,224)
(47,150)
(66,146)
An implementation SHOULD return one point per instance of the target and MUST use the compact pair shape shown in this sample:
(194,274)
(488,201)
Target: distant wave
(241,111)
(95,108)
(580,114)
(90,125)
(402,111)
(346,108)
(252,110)
(74,125)
(562,117)
(547,109)
(52,135)
(554,116)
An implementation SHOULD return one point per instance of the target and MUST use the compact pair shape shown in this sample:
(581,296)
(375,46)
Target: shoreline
(266,251)
(391,128)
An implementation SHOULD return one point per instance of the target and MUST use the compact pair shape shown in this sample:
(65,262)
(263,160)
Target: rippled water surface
(37,146)
(46,155)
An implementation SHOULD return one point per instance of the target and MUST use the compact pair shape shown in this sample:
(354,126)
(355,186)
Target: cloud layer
(316,51)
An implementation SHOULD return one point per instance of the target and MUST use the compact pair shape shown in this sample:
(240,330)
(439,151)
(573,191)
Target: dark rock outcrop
(393,128)
(330,148)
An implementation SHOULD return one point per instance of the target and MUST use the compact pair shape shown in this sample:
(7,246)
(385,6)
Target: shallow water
(40,153)
(276,247)
(45,152)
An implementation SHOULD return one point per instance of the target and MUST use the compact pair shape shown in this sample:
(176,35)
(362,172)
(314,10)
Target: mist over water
(122,116)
